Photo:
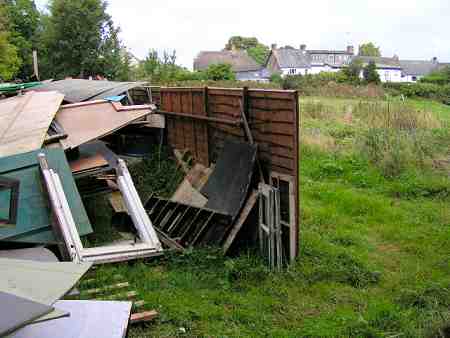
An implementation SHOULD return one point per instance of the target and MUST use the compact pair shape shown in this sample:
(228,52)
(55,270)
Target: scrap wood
(143,317)
(85,122)
(88,163)
(24,121)
(186,193)
(87,319)
(241,220)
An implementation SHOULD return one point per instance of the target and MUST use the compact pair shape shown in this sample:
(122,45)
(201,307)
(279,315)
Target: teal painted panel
(34,214)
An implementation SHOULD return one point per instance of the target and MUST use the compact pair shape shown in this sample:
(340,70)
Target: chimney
(434,60)
(395,57)
(350,50)
(303,47)
(274,46)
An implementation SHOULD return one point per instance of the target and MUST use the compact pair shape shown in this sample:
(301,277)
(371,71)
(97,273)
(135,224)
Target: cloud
(413,29)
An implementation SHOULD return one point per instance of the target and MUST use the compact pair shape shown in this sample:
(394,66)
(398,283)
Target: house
(329,60)
(288,61)
(414,70)
(244,67)
(389,69)
(291,61)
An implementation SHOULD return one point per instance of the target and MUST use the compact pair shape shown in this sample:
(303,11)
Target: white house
(414,70)
(389,69)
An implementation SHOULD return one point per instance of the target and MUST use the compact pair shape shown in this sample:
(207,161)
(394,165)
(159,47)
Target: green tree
(9,59)
(256,50)
(369,49)
(352,73)
(81,40)
(439,77)
(24,25)
(370,73)
(219,72)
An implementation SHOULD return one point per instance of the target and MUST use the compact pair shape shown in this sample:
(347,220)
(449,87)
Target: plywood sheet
(24,121)
(19,277)
(85,122)
(187,194)
(17,312)
(227,186)
(88,163)
(87,319)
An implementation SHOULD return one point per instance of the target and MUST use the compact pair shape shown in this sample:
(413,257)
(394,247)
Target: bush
(424,90)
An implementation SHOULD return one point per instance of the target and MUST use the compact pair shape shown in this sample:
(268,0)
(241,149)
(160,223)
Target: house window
(387,76)
(292,71)
(414,78)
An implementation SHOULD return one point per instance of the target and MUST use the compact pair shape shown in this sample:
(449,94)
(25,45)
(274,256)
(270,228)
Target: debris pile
(64,142)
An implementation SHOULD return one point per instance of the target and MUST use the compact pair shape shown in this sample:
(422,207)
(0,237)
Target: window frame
(13,185)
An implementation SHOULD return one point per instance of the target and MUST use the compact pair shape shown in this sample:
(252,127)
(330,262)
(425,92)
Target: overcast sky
(412,29)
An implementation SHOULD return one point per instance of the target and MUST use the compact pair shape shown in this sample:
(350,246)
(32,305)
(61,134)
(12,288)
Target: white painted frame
(292,210)
(149,245)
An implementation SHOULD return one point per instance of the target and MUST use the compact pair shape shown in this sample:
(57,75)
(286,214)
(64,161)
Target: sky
(411,29)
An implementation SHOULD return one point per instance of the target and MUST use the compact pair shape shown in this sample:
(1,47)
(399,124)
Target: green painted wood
(34,214)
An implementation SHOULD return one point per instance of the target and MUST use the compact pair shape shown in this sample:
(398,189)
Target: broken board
(33,214)
(228,184)
(85,122)
(25,119)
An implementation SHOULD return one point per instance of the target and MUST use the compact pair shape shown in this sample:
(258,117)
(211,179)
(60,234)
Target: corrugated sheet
(78,90)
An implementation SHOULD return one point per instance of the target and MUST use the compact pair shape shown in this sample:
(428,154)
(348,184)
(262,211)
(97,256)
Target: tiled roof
(292,58)
(240,61)
(418,67)
(381,62)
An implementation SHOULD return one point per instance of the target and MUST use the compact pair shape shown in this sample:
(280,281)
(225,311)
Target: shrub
(424,90)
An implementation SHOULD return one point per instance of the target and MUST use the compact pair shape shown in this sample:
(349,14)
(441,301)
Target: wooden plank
(146,316)
(89,122)
(106,289)
(24,121)
(251,201)
(261,103)
(268,115)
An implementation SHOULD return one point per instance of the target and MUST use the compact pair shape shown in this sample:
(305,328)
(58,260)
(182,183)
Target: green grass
(374,258)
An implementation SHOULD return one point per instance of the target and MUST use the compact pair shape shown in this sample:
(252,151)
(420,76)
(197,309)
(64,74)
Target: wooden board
(24,121)
(17,312)
(85,122)
(34,215)
(87,319)
(88,163)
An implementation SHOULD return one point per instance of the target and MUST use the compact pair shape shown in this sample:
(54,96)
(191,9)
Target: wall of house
(294,71)
(411,78)
(316,69)
(388,75)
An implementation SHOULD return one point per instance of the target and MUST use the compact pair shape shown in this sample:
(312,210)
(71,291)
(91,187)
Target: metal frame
(11,184)
(149,244)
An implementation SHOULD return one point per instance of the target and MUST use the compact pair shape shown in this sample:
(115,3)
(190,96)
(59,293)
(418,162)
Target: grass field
(375,239)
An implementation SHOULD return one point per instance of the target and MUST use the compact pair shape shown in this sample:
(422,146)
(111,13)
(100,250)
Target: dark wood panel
(272,115)
(261,103)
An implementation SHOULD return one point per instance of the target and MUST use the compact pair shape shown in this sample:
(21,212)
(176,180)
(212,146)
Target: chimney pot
(274,46)
(303,47)
(434,59)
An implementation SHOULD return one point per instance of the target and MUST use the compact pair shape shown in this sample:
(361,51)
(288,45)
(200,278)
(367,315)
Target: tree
(9,59)
(24,25)
(219,72)
(369,49)
(81,40)
(352,73)
(440,77)
(258,51)
(370,73)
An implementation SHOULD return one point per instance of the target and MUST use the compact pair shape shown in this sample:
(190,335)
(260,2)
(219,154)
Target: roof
(381,62)
(291,58)
(78,90)
(327,51)
(418,67)
(240,61)
(34,218)
(25,119)
(261,74)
